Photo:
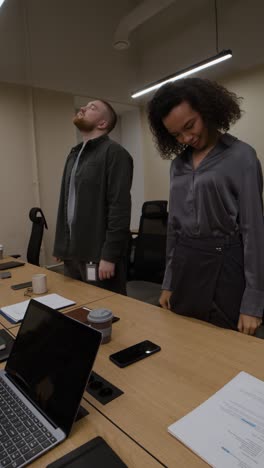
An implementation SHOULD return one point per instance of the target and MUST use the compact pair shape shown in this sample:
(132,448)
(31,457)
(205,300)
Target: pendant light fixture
(209,62)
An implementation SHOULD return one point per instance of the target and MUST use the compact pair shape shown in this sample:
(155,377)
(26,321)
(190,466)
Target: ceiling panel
(66,45)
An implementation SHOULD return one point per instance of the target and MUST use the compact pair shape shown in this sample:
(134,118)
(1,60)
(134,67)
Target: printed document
(227,430)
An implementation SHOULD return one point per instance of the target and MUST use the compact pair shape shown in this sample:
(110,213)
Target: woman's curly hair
(218,107)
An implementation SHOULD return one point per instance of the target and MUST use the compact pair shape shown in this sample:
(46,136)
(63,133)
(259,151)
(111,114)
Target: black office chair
(149,247)
(148,253)
(38,223)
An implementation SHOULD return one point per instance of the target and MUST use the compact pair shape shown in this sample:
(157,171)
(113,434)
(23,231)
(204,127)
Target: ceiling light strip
(224,55)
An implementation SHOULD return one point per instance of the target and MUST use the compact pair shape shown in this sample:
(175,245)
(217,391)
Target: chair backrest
(39,222)
(156,208)
(150,250)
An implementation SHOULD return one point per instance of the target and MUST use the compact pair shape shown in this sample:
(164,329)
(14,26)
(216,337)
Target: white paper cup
(39,283)
(101,319)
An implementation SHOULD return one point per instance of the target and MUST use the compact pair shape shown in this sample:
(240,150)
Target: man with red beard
(95,205)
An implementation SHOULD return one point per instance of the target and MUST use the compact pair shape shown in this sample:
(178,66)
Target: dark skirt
(208,279)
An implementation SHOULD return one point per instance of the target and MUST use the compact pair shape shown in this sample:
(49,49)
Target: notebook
(15,312)
(43,383)
(94,454)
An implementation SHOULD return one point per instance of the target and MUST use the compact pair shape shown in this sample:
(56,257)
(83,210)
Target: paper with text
(227,430)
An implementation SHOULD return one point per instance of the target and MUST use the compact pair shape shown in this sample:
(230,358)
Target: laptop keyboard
(22,435)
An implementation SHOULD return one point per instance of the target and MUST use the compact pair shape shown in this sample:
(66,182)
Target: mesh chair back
(154,208)
(39,222)
(150,251)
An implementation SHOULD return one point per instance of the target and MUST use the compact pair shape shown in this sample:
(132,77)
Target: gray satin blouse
(222,196)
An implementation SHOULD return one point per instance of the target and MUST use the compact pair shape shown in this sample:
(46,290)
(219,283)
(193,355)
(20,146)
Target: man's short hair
(112,116)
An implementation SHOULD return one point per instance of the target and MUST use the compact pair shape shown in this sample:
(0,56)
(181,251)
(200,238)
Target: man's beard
(83,125)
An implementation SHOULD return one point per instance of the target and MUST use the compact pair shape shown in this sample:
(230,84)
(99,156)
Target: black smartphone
(5,274)
(22,285)
(134,353)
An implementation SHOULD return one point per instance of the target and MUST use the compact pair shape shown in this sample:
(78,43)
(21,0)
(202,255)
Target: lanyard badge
(91,271)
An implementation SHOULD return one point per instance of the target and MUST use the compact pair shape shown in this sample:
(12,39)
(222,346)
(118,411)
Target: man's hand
(57,259)
(164,299)
(106,270)
(248,324)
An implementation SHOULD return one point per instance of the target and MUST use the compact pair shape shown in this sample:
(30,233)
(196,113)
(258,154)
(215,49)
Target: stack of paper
(16,312)
(227,431)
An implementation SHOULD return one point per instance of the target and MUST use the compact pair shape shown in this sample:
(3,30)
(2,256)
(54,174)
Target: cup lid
(100,315)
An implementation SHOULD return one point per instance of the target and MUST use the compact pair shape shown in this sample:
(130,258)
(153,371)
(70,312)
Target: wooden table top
(195,361)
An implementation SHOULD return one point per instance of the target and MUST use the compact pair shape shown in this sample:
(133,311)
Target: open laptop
(43,383)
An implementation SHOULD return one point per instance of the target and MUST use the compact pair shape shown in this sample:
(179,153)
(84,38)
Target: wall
(156,169)
(16,178)
(55,135)
(35,140)
(131,139)
(250,85)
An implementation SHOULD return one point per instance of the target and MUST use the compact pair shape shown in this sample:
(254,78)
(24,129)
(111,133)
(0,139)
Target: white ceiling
(66,45)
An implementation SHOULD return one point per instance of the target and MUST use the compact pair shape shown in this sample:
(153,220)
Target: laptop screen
(51,360)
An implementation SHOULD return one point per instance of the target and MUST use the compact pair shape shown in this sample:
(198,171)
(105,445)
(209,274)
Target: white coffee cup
(1,252)
(39,283)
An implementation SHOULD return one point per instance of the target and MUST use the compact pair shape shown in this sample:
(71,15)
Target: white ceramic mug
(39,283)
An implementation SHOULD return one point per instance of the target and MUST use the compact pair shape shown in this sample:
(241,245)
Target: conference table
(196,360)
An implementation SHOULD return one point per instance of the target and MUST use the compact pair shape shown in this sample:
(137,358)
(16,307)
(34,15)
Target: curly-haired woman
(215,243)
